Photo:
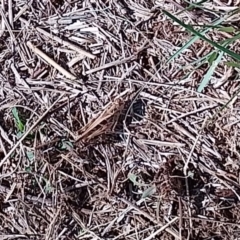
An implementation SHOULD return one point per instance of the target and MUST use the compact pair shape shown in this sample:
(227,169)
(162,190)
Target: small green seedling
(133,178)
(30,155)
(66,145)
(18,122)
(148,192)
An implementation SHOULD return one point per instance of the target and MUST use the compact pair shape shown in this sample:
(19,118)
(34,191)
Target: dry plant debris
(100,138)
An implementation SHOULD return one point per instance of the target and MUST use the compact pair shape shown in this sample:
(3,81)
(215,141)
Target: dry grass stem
(103,133)
(50,61)
(65,43)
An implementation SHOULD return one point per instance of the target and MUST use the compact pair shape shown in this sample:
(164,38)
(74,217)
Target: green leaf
(191,41)
(227,29)
(19,134)
(30,155)
(209,73)
(133,178)
(212,58)
(19,124)
(149,191)
(193,31)
(233,64)
(28,169)
(230,40)
(66,145)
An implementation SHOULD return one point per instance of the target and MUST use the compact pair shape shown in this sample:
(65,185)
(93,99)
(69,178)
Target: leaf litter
(101,104)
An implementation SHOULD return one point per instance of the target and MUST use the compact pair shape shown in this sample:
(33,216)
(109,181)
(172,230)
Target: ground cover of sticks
(102,136)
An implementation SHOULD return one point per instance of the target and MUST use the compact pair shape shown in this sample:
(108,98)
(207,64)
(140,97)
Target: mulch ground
(101,137)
